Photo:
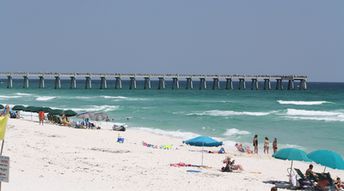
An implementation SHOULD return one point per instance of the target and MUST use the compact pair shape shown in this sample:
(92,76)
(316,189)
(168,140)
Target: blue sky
(180,36)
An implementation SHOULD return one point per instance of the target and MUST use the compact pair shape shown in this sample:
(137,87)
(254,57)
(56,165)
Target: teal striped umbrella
(291,154)
(327,158)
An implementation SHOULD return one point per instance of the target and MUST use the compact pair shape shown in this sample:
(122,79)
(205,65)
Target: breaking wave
(45,98)
(315,115)
(235,132)
(282,102)
(222,113)
(176,134)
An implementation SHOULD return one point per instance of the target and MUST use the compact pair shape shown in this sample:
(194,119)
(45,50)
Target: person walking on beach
(255,144)
(266,145)
(274,145)
(41,117)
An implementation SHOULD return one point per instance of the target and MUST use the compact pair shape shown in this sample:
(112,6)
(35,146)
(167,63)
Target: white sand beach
(59,158)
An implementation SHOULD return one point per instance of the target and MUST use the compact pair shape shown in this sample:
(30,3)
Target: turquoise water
(311,119)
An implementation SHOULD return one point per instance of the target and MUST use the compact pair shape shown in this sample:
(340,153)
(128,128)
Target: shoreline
(54,157)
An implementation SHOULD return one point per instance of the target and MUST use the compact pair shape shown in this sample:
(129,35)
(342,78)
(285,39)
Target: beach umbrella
(46,109)
(203,141)
(18,108)
(70,113)
(2,107)
(327,158)
(99,116)
(291,154)
(56,112)
(32,109)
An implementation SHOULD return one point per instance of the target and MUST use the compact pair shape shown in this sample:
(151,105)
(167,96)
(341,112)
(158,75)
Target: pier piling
(88,82)
(118,82)
(9,82)
(202,84)
(279,84)
(72,82)
(132,83)
(189,84)
(229,83)
(267,84)
(175,83)
(147,83)
(161,83)
(254,84)
(57,82)
(216,83)
(26,82)
(242,84)
(303,84)
(290,84)
(103,83)
(41,82)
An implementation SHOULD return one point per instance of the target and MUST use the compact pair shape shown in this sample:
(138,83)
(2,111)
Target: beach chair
(327,179)
(303,181)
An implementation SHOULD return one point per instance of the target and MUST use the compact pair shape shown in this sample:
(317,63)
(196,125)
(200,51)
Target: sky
(180,36)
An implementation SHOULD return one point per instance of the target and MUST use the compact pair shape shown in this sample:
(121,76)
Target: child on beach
(266,145)
(255,144)
(274,145)
(41,117)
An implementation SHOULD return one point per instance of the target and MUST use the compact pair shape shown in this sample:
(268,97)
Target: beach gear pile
(165,147)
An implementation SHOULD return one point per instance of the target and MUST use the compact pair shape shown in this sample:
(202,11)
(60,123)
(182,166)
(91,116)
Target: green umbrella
(56,112)
(18,108)
(2,107)
(33,109)
(46,109)
(327,158)
(70,113)
(291,154)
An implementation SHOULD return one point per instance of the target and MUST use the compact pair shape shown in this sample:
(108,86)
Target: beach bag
(293,180)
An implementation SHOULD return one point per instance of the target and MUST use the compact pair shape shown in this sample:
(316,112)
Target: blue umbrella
(291,154)
(327,158)
(203,141)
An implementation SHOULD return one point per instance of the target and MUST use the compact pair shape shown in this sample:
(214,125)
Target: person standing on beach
(255,144)
(274,145)
(266,145)
(41,117)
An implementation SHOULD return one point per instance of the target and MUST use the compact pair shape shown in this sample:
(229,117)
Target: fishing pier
(253,82)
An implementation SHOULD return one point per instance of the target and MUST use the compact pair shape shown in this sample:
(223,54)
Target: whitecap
(176,134)
(23,94)
(94,108)
(222,113)
(282,102)
(235,132)
(45,98)
(298,114)
(114,97)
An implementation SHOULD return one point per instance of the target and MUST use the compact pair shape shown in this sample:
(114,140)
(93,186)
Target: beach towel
(3,123)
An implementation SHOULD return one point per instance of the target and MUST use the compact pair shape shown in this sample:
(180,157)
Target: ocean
(310,119)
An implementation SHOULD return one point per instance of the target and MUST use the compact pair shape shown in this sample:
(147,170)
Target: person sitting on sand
(222,151)
(230,166)
(239,147)
(248,150)
(309,172)
(339,184)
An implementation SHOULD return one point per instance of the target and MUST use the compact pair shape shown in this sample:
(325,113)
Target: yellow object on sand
(3,123)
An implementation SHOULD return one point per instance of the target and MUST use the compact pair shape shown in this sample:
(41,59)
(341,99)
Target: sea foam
(235,132)
(176,134)
(282,102)
(45,98)
(222,113)
(315,115)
